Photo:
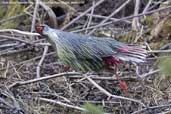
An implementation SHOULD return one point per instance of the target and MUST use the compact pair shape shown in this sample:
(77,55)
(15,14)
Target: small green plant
(165,65)
(92,109)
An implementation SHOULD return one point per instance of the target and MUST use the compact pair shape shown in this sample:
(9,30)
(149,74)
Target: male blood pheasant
(88,53)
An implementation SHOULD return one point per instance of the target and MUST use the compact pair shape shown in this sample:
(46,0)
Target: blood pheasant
(88,53)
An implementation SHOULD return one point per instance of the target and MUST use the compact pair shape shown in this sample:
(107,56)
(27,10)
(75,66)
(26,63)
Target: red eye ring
(39,28)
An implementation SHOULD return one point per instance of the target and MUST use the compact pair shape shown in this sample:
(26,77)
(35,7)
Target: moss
(148,21)
(12,10)
(130,37)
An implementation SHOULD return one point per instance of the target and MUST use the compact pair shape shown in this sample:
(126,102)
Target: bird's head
(42,29)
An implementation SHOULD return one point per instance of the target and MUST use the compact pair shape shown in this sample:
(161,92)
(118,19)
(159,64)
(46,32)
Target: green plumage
(82,52)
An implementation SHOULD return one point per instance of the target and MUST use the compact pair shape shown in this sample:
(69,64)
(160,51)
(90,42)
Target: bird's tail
(133,54)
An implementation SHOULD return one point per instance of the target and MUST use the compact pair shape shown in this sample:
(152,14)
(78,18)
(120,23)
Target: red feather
(111,61)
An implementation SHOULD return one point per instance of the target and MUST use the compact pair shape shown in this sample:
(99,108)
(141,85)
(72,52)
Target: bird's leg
(122,83)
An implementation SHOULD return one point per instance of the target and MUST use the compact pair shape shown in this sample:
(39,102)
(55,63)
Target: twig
(34,15)
(126,18)
(111,15)
(26,61)
(110,95)
(61,104)
(17,39)
(42,78)
(51,94)
(90,17)
(159,51)
(147,6)
(150,108)
(95,77)
(6,71)
(14,51)
(75,19)
(20,32)
(135,21)
(149,73)
(41,61)
(103,17)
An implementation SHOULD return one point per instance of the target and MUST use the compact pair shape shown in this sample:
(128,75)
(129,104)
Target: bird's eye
(39,28)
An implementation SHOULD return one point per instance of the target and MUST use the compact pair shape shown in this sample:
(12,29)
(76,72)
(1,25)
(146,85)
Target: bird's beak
(39,29)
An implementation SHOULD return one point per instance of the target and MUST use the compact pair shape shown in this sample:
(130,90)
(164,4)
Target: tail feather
(132,53)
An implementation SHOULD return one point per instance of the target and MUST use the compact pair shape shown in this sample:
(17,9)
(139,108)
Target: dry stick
(26,61)
(96,77)
(42,78)
(17,39)
(110,95)
(112,14)
(135,21)
(34,15)
(90,17)
(147,6)
(159,51)
(14,51)
(150,108)
(98,3)
(51,94)
(103,17)
(20,32)
(41,61)
(149,73)
(125,18)
(61,103)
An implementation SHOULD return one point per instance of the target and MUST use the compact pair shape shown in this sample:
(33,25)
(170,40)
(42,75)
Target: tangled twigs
(95,5)
(42,78)
(152,108)
(112,14)
(20,32)
(61,103)
(110,95)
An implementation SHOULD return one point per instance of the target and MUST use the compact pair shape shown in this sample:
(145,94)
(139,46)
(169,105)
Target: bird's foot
(122,84)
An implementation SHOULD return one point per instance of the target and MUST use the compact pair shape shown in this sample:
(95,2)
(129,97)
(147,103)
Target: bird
(89,53)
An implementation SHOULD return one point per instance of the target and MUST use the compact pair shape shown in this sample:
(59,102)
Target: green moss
(12,10)
(165,65)
(130,37)
(147,21)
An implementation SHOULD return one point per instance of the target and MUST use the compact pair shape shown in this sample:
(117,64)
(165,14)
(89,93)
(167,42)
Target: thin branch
(135,21)
(147,6)
(149,73)
(126,18)
(17,39)
(112,14)
(103,17)
(159,51)
(42,78)
(98,3)
(61,104)
(90,17)
(150,108)
(110,95)
(41,61)
(34,15)
(20,32)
